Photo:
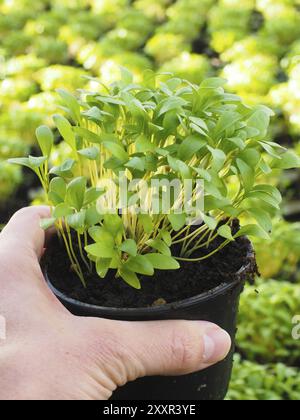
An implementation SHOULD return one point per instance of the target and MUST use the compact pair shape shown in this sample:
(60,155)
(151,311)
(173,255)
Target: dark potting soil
(190,280)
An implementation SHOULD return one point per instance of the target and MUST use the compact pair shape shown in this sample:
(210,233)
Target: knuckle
(186,349)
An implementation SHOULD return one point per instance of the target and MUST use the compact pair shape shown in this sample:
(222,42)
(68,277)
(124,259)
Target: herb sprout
(157,131)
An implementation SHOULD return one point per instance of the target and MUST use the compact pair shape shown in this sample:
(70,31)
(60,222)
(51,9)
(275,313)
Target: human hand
(49,354)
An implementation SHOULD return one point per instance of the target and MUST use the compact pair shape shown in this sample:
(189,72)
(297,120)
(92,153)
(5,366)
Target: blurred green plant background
(254,44)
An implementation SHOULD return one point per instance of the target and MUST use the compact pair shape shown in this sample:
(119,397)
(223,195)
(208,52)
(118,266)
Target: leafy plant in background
(280,254)
(228,24)
(10,179)
(22,65)
(164,131)
(51,78)
(282,23)
(16,89)
(266,313)
(252,77)
(165,46)
(254,382)
(51,49)
(20,123)
(192,67)
(155,9)
(186,18)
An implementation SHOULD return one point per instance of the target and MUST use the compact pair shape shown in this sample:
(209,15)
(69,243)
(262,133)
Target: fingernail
(217,344)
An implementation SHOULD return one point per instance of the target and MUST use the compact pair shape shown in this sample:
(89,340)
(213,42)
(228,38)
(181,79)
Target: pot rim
(155,310)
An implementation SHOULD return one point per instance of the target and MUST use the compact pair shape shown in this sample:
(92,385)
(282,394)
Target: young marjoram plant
(157,131)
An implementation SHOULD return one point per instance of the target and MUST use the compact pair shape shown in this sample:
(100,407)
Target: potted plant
(128,247)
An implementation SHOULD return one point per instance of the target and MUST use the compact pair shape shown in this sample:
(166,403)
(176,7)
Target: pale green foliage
(266,314)
(10,178)
(192,67)
(158,130)
(281,253)
(254,382)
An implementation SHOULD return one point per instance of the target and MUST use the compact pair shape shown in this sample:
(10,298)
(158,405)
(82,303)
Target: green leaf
(113,164)
(45,139)
(189,147)
(92,216)
(251,157)
(92,195)
(136,163)
(146,221)
(76,220)
(166,237)
(62,210)
(211,189)
(271,190)
(177,221)
(130,278)
(200,123)
(47,223)
(265,197)
(270,150)
(213,83)
(37,162)
(173,163)
(289,160)
(102,266)
(76,192)
(140,265)
(116,150)
(110,100)
(184,169)
(159,245)
(71,103)
(103,249)
(91,153)
(149,78)
(238,142)
(225,232)
(210,221)
(65,170)
(57,190)
(88,135)
(144,145)
(170,104)
(162,262)
(95,114)
(262,217)
(203,174)
(260,120)
(113,224)
(22,162)
(198,129)
(99,233)
(226,121)
(252,230)
(219,158)
(31,162)
(66,130)
(213,203)
(247,173)
(130,247)
(265,167)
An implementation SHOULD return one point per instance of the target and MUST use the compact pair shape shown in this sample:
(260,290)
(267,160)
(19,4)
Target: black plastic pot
(219,305)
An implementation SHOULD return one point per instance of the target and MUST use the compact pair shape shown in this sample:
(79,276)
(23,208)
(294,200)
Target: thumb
(24,231)
(165,347)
